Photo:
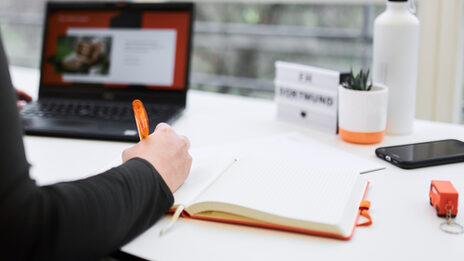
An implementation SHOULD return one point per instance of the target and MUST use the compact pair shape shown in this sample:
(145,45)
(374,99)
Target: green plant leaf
(358,81)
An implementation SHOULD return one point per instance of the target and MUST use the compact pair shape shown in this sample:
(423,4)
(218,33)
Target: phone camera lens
(388,158)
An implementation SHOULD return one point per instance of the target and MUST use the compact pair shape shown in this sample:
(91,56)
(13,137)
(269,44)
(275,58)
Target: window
(236,44)
(21,25)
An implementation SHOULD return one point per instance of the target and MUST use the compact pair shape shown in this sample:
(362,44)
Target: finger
(23,96)
(162,126)
(19,104)
(186,141)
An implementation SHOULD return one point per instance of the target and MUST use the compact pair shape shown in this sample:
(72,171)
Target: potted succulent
(362,110)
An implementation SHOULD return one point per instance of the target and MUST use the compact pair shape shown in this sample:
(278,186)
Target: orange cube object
(443,196)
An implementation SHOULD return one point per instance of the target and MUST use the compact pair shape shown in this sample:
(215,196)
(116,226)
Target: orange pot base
(361,137)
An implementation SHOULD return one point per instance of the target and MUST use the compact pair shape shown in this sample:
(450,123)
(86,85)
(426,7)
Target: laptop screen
(116,46)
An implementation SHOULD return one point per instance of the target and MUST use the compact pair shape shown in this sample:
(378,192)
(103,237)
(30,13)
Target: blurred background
(236,43)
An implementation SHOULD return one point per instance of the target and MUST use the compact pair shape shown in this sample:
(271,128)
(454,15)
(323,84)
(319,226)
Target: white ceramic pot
(362,115)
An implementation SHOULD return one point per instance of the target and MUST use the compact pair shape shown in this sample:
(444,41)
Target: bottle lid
(412,4)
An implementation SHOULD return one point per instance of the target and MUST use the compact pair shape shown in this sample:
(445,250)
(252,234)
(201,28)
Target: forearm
(90,218)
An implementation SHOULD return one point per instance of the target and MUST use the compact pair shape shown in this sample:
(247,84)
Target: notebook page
(320,154)
(287,187)
(209,162)
(203,172)
(324,155)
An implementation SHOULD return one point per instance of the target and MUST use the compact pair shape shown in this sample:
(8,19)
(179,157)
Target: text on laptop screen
(117,48)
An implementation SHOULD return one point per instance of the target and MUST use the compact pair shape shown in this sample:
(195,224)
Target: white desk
(405,225)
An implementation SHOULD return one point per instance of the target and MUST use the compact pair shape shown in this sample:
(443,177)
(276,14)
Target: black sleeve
(81,220)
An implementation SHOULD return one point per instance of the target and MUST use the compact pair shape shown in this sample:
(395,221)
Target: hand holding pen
(164,149)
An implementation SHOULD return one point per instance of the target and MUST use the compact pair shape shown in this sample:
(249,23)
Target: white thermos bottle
(395,61)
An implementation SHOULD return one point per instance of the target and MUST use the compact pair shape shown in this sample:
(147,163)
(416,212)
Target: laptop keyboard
(71,109)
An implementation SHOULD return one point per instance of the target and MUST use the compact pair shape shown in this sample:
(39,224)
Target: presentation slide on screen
(118,56)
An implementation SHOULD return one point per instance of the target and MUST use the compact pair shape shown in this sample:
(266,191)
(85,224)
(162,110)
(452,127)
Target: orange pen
(141,118)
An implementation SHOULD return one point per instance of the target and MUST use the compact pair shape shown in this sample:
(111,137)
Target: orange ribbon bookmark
(364,208)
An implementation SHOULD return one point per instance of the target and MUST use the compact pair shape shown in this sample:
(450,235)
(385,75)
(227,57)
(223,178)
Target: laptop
(98,57)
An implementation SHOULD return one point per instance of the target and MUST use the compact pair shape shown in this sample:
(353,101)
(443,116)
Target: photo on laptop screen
(83,55)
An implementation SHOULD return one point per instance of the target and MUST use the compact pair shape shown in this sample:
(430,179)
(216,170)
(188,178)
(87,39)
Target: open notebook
(281,189)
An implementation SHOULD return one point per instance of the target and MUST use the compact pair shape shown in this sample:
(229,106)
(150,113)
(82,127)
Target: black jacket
(81,220)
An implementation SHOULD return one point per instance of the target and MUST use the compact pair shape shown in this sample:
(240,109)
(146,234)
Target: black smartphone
(418,155)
